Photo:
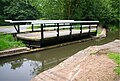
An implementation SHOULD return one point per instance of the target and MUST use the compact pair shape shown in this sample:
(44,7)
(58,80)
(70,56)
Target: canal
(24,67)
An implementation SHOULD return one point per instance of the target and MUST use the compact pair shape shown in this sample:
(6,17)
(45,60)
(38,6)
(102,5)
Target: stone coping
(14,51)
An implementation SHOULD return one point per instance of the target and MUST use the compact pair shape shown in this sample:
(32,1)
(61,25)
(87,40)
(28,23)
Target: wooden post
(15,28)
(89,29)
(70,28)
(29,44)
(42,36)
(18,29)
(42,32)
(58,30)
(43,65)
(32,28)
(81,30)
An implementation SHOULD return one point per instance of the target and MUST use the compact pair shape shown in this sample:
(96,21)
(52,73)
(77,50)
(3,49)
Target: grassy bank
(7,42)
(115,57)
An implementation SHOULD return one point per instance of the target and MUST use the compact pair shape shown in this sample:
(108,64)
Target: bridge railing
(81,25)
(57,24)
(48,23)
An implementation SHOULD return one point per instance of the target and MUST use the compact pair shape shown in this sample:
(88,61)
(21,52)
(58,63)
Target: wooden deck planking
(48,34)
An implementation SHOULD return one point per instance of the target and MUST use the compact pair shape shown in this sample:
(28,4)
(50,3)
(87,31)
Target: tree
(70,7)
(106,11)
(20,11)
(2,17)
(115,18)
(52,9)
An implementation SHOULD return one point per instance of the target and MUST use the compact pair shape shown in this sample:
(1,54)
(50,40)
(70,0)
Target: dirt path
(95,68)
(91,64)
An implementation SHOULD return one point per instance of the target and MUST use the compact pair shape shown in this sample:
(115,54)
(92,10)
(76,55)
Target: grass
(7,42)
(116,58)
(98,32)
(5,26)
(113,28)
(35,27)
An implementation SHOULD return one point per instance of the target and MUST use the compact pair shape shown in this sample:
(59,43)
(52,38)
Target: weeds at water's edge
(7,41)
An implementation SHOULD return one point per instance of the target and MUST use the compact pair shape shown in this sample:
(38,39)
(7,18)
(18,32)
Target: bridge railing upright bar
(89,30)
(42,33)
(57,29)
(70,29)
(80,29)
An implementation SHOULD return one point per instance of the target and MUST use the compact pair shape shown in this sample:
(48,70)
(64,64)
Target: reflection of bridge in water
(55,31)
(38,62)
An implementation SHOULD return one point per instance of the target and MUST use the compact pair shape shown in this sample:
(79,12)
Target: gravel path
(11,29)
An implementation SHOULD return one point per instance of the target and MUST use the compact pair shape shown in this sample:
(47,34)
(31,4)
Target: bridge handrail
(53,22)
(36,21)
(49,21)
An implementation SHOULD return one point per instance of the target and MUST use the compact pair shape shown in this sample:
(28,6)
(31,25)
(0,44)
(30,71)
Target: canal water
(24,67)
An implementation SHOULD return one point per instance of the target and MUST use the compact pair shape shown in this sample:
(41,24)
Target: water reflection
(24,67)
(9,72)
(16,64)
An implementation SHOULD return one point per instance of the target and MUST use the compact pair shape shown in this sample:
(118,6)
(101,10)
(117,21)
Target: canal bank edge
(90,64)
(26,50)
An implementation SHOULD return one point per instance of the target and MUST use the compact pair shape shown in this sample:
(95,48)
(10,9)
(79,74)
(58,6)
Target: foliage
(115,18)
(17,10)
(89,10)
(2,17)
(20,11)
(116,58)
(51,9)
(113,28)
(106,11)
(7,41)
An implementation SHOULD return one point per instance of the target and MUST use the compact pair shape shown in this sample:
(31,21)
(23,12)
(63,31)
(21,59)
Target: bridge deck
(36,36)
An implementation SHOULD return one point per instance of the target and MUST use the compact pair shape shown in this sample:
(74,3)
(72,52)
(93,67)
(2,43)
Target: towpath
(91,64)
